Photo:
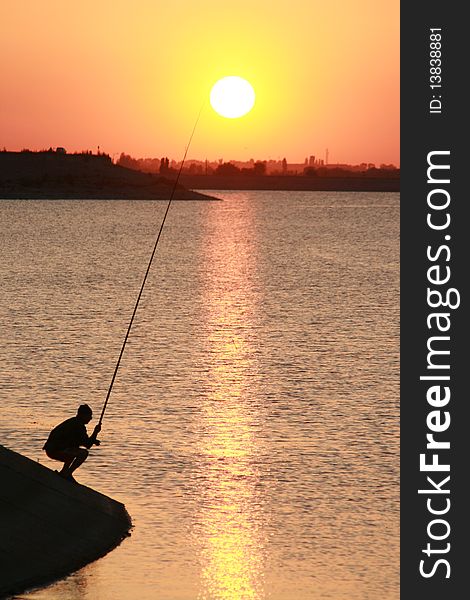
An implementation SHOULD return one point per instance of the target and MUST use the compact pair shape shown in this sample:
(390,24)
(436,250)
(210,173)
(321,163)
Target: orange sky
(130,76)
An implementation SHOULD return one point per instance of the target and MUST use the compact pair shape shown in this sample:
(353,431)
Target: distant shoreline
(56,195)
(291,183)
(53,176)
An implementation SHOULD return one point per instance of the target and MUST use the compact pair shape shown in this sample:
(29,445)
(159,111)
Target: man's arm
(92,438)
(96,431)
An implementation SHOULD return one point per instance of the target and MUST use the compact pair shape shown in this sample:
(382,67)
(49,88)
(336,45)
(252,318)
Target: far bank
(291,183)
(54,175)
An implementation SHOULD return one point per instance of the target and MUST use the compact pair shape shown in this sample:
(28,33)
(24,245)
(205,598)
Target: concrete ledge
(50,527)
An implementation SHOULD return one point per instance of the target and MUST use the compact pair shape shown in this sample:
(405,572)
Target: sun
(232,97)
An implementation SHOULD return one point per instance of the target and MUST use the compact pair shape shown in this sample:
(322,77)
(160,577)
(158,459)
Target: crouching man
(68,442)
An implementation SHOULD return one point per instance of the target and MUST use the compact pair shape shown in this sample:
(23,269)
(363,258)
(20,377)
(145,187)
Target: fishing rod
(148,269)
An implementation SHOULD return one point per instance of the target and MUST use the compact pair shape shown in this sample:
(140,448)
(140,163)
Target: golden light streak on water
(230,522)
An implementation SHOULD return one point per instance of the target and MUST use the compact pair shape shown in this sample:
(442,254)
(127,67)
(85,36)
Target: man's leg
(72,459)
(80,458)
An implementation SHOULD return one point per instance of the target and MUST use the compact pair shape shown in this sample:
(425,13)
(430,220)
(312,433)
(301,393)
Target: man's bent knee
(82,453)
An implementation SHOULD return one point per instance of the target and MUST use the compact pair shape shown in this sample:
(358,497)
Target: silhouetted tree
(164,165)
(127,161)
(259,167)
(227,169)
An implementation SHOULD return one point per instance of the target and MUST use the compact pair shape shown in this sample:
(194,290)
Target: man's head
(84,413)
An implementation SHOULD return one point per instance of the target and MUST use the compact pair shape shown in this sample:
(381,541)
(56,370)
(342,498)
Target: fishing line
(148,268)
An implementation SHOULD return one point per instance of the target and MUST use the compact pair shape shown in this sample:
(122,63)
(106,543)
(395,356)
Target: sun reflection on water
(229,524)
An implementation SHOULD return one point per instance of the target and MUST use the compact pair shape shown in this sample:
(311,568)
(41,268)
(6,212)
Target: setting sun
(232,97)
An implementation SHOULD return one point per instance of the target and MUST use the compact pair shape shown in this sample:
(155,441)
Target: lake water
(253,431)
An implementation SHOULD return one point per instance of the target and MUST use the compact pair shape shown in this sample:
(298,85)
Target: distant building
(60,150)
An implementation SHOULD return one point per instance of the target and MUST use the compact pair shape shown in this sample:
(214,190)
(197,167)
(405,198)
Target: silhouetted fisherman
(65,442)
